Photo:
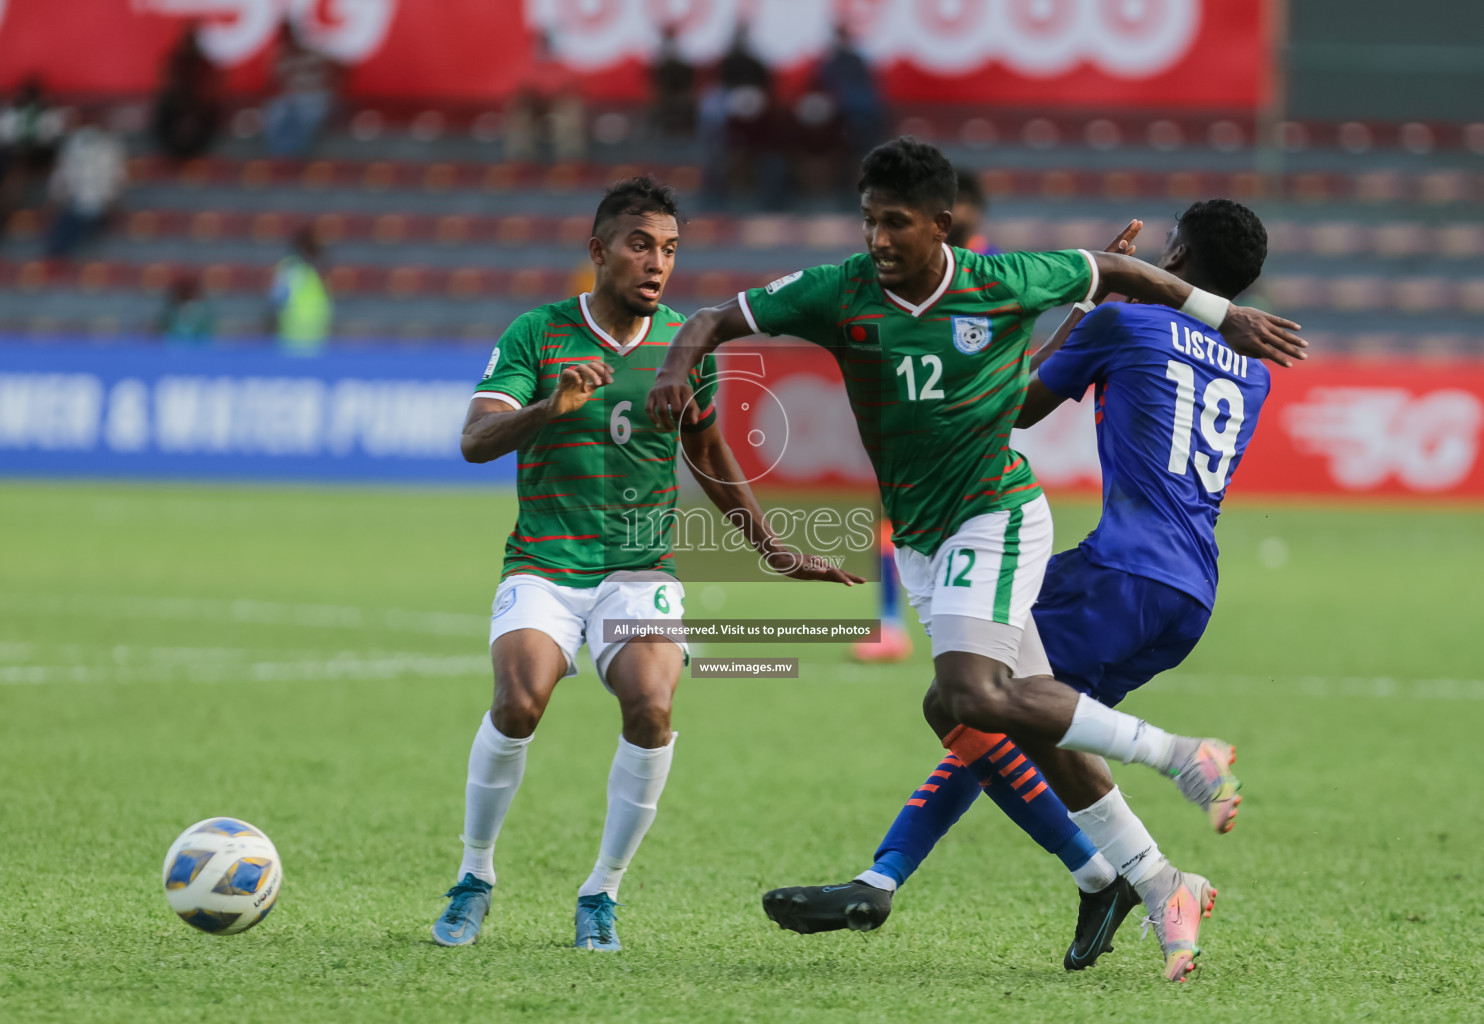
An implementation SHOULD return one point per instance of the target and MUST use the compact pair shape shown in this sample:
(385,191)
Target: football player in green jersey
(932,343)
(592,541)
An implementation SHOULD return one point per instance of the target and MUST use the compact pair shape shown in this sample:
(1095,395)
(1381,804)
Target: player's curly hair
(1226,245)
(913,171)
(634,195)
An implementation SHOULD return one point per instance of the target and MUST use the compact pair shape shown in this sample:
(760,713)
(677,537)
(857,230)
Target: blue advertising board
(151,411)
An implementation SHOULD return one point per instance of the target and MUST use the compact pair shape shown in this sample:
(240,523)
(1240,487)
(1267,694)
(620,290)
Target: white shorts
(989,571)
(572,616)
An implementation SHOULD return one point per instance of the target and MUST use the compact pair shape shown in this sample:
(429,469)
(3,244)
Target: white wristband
(1209,309)
(1085,307)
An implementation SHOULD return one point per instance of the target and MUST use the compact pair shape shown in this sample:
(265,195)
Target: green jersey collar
(607,338)
(916,311)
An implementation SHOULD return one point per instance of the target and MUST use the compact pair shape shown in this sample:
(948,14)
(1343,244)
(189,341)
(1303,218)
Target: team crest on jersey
(971,333)
(784,282)
(494,358)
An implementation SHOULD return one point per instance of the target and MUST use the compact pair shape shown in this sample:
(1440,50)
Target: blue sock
(891,609)
(935,806)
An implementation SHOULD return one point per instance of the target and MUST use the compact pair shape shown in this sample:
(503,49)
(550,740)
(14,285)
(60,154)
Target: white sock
(877,879)
(1096,875)
(496,764)
(635,783)
(1120,836)
(1097,729)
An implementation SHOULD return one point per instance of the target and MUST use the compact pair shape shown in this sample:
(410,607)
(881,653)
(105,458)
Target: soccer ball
(222,876)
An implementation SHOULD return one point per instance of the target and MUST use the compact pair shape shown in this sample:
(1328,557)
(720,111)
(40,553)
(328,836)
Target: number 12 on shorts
(966,565)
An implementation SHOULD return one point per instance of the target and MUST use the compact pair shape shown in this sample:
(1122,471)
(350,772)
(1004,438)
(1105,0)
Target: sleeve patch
(494,358)
(783,282)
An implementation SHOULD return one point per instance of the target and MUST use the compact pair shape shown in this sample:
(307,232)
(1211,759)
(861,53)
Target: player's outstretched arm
(699,335)
(716,470)
(494,428)
(1249,331)
(1040,401)
(1124,244)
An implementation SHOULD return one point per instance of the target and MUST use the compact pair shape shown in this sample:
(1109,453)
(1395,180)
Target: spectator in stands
(743,130)
(86,186)
(547,107)
(674,80)
(968,216)
(847,79)
(31,131)
(819,160)
(188,108)
(306,81)
(711,133)
(301,307)
(741,67)
(187,318)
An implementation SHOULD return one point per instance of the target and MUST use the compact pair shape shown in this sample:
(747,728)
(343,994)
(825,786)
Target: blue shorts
(1107,631)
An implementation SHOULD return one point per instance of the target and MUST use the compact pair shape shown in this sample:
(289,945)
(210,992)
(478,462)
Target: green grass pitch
(313,661)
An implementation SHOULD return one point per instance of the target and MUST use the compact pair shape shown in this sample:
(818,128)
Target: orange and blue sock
(992,763)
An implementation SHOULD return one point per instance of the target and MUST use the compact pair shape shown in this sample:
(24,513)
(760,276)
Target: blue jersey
(1175,410)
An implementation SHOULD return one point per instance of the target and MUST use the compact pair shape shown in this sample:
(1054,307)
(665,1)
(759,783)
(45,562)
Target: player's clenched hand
(577,383)
(1252,332)
(669,398)
(787,562)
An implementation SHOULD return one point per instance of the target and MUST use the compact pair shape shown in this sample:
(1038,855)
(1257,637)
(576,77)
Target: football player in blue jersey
(1175,410)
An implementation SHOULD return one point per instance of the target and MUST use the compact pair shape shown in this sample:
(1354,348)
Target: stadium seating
(1376,231)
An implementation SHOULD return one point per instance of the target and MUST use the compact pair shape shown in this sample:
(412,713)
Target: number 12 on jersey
(1223,441)
(933,367)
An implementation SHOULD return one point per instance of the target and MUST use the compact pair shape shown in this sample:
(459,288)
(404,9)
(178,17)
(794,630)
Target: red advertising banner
(1191,54)
(1392,428)
(1332,428)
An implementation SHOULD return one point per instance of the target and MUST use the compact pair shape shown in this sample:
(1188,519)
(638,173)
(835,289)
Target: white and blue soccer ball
(222,876)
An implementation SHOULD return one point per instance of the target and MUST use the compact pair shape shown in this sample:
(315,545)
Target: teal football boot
(595,923)
(468,903)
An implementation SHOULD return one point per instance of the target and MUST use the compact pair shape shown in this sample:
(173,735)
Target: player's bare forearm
(1249,331)
(1138,280)
(717,472)
(493,428)
(1057,340)
(1039,402)
(699,335)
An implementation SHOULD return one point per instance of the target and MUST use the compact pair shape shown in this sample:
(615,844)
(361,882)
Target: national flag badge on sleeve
(860,335)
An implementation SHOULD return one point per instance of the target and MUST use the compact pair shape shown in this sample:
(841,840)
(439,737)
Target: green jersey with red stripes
(935,387)
(594,484)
